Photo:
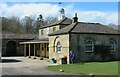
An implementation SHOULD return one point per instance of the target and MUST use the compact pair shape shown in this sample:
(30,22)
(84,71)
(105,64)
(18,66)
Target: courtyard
(27,66)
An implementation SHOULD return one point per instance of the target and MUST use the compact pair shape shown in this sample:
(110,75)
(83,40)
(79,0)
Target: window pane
(89,46)
(112,45)
(58,47)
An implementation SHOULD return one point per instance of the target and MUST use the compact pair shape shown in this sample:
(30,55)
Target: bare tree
(11,24)
(50,20)
(27,23)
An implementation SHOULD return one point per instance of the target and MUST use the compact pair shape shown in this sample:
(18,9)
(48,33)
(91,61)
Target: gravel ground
(27,66)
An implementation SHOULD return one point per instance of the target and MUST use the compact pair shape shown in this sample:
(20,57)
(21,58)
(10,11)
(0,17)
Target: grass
(97,68)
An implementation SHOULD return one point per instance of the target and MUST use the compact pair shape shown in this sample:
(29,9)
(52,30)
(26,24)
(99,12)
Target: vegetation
(97,68)
(28,24)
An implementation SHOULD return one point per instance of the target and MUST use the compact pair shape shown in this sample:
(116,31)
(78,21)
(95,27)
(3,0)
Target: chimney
(75,18)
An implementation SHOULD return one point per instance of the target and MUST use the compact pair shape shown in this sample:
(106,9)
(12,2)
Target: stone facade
(47,31)
(67,37)
(64,41)
(77,44)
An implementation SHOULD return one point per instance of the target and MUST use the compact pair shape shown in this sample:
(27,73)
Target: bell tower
(61,11)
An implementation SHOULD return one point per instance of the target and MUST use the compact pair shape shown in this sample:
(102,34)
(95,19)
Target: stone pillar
(34,52)
(40,49)
(41,57)
(29,51)
(46,50)
(25,50)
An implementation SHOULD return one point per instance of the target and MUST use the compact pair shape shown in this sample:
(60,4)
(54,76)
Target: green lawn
(98,68)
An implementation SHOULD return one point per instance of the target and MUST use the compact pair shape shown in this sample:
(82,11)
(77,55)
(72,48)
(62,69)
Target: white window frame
(112,45)
(58,47)
(87,45)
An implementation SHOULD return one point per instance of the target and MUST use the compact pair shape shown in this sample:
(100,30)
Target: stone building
(57,39)
(10,43)
(82,37)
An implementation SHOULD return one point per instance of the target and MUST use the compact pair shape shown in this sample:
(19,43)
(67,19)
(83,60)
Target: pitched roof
(82,27)
(17,36)
(65,21)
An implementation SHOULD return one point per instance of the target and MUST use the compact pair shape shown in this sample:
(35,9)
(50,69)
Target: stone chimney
(75,18)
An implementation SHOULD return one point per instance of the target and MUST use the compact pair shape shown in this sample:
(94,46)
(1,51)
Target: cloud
(99,17)
(47,9)
(22,10)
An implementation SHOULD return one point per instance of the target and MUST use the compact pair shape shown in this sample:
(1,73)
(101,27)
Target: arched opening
(11,48)
(112,45)
(89,46)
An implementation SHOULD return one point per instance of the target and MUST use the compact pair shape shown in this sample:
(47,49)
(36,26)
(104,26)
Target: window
(54,29)
(89,46)
(42,32)
(112,46)
(47,30)
(58,47)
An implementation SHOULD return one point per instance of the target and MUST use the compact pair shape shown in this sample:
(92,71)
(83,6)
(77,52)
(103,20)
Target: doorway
(11,48)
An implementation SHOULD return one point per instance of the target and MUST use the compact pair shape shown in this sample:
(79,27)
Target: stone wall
(64,40)
(47,31)
(18,46)
(77,44)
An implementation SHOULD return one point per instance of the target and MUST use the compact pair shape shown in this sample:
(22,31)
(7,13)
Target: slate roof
(17,36)
(37,40)
(83,27)
(65,21)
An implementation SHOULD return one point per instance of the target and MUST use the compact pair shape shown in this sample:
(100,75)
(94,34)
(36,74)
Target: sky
(95,12)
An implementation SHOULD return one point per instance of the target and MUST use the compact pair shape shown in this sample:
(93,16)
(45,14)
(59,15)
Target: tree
(11,24)
(27,23)
(39,23)
(50,20)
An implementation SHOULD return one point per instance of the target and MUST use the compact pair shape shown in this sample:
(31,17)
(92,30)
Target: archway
(11,48)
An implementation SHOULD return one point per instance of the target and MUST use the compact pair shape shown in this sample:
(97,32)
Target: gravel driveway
(27,66)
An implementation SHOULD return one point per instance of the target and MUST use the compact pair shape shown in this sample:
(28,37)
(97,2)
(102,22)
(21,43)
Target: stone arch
(54,43)
(11,48)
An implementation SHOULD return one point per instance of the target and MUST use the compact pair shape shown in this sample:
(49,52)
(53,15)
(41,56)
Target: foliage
(28,24)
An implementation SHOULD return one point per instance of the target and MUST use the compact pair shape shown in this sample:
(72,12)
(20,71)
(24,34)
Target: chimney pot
(75,18)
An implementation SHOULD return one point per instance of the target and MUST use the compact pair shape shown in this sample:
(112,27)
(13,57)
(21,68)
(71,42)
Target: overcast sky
(101,12)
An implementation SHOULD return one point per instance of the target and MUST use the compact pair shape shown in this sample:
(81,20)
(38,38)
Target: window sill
(89,51)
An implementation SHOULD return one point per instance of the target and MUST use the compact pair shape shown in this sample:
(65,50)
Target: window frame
(88,45)
(58,47)
(112,46)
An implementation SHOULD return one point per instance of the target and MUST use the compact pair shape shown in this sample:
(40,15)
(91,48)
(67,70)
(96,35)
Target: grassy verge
(97,68)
